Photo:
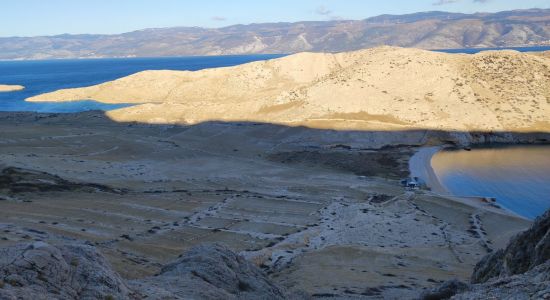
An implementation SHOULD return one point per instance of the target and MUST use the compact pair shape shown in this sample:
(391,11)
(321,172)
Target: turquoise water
(517,176)
(49,75)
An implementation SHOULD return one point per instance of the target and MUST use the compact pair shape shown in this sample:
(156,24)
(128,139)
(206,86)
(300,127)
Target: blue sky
(47,17)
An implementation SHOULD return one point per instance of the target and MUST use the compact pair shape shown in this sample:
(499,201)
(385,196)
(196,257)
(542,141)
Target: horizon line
(269,22)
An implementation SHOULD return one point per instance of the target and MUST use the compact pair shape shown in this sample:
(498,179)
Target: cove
(518,177)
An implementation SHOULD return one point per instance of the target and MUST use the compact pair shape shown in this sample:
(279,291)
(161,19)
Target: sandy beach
(421,167)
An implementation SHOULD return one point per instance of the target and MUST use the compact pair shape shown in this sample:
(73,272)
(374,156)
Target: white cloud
(445,2)
(322,10)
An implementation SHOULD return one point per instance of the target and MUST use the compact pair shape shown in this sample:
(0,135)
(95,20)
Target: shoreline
(420,166)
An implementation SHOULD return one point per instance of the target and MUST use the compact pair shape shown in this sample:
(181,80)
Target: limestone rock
(446,290)
(521,271)
(42,271)
(209,272)
(534,284)
(526,251)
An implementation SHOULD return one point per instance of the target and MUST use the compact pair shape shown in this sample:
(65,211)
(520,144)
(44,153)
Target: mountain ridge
(426,30)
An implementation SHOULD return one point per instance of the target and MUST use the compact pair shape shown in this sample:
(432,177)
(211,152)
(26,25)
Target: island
(10,88)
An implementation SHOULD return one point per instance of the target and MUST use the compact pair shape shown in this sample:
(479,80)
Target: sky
(51,17)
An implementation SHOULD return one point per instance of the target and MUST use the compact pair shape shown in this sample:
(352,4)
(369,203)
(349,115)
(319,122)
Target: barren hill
(428,30)
(383,88)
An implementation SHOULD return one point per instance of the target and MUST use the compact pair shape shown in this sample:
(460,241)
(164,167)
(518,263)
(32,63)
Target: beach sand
(421,167)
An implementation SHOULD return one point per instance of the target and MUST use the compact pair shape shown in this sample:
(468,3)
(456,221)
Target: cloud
(322,10)
(219,19)
(445,2)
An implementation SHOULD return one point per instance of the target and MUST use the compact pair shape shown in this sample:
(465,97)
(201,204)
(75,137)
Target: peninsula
(384,88)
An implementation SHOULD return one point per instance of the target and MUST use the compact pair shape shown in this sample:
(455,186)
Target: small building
(411,183)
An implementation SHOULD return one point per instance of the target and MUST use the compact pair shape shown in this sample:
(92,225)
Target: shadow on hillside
(308,137)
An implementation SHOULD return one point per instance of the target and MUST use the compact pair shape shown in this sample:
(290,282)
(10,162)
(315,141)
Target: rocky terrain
(294,165)
(428,30)
(37,270)
(379,89)
(320,212)
(10,88)
(42,271)
(519,271)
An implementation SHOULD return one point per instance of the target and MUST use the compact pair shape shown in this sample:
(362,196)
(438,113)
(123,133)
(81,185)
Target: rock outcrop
(521,271)
(534,285)
(446,290)
(43,271)
(17,180)
(525,252)
(209,272)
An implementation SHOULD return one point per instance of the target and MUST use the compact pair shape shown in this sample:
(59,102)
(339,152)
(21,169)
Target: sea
(518,177)
(42,76)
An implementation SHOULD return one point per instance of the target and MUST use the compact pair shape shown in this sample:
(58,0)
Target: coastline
(420,166)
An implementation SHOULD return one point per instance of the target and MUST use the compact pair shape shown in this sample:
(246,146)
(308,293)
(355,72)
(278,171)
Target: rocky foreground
(383,88)
(520,271)
(42,271)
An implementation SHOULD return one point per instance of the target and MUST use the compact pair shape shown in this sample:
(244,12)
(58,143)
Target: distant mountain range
(427,30)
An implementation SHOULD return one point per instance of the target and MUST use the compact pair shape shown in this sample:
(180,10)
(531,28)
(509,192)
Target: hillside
(428,30)
(383,88)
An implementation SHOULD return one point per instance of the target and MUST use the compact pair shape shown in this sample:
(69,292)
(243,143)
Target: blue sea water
(517,177)
(44,76)
(50,75)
